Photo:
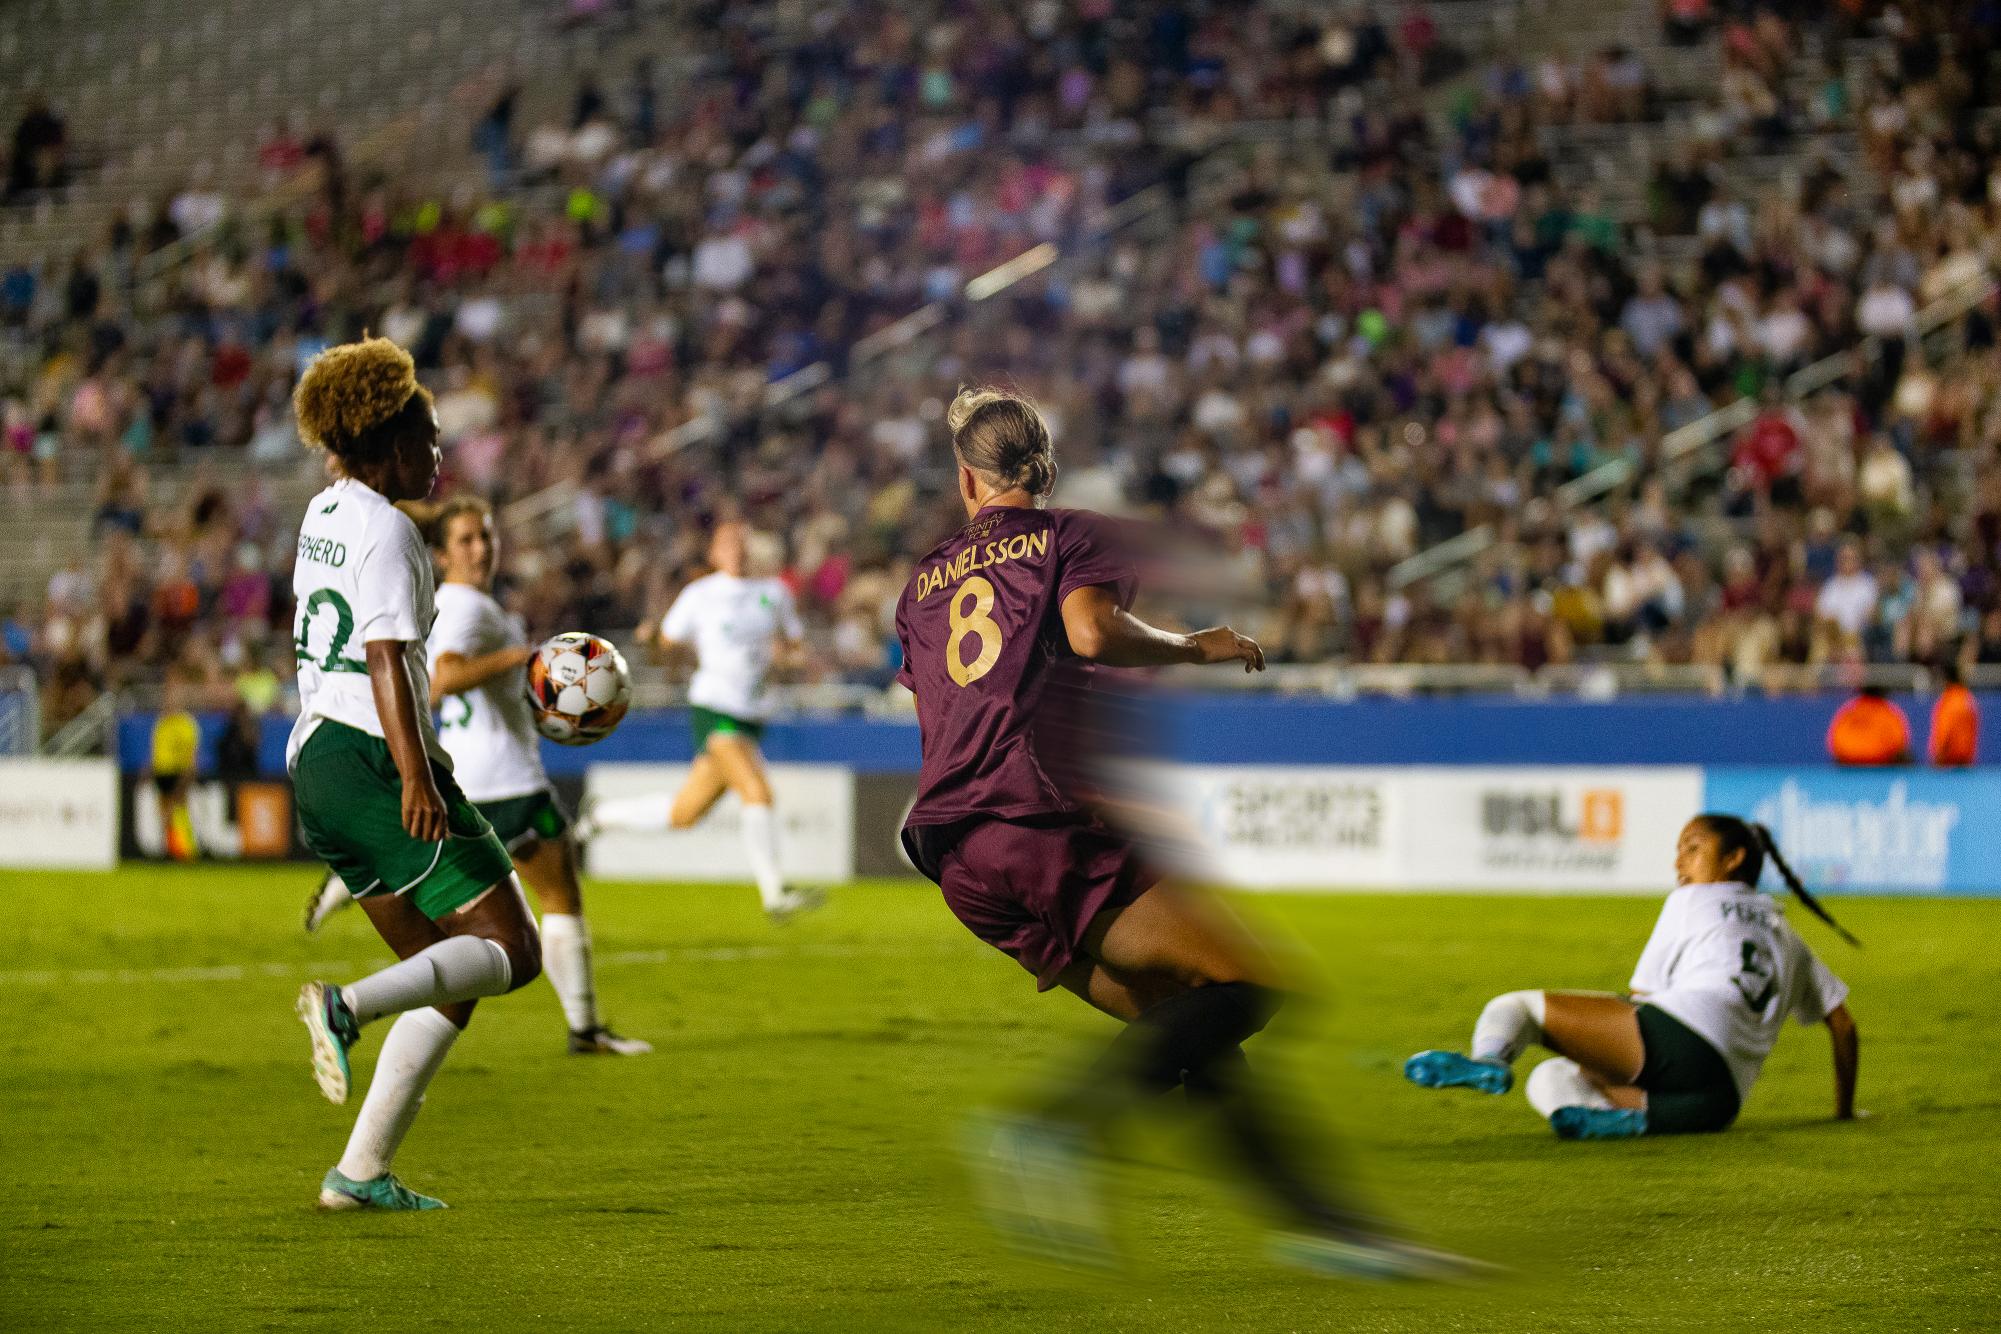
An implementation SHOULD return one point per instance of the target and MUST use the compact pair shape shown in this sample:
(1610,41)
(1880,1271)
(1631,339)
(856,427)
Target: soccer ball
(579,687)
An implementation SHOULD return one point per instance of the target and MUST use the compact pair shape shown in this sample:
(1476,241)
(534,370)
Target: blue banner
(1911,831)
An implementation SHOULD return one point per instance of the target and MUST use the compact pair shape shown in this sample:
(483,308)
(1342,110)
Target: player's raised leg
(328,897)
(652,812)
(423,1033)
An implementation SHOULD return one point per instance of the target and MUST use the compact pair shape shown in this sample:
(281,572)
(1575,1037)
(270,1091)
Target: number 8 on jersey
(975,620)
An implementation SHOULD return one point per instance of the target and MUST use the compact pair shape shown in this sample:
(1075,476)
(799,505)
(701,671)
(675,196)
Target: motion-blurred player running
(999,624)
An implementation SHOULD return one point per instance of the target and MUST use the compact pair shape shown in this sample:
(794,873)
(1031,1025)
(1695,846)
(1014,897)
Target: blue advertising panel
(1878,830)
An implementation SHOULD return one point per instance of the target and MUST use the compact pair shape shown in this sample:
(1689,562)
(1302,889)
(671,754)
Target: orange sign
(264,814)
(1603,818)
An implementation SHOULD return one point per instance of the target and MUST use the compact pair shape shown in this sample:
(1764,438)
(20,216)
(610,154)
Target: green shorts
(520,821)
(708,723)
(350,803)
(1690,1090)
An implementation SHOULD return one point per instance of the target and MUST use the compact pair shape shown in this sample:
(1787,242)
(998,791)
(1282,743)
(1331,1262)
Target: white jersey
(734,625)
(362,574)
(1725,962)
(490,730)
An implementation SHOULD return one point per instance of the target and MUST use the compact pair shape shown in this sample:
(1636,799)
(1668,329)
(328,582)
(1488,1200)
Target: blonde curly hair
(351,392)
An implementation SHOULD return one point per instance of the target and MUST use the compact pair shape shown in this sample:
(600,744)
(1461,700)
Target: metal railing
(20,711)
(1348,681)
(91,732)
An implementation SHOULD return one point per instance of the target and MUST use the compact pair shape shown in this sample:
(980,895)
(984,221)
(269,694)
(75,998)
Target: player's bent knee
(458,1015)
(1561,1082)
(524,957)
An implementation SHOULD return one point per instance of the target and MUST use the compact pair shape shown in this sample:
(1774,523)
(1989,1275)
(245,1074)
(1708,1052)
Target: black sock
(1186,1032)
(1253,1131)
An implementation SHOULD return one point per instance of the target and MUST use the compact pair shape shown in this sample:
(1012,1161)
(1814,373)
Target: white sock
(1562,1083)
(1507,1026)
(566,958)
(647,813)
(760,843)
(416,1046)
(458,969)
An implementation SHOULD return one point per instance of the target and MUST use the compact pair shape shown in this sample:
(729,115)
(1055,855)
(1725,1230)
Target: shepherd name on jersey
(490,729)
(734,625)
(1725,962)
(362,574)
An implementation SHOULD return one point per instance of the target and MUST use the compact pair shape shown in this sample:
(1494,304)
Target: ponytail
(1793,882)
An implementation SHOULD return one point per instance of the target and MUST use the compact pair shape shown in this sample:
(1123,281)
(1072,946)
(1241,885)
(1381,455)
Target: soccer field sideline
(783,1161)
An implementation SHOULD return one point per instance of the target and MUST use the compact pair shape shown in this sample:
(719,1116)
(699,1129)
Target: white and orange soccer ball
(579,687)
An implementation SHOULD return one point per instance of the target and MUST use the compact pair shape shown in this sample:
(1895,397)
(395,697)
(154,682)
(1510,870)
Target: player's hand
(1222,644)
(424,812)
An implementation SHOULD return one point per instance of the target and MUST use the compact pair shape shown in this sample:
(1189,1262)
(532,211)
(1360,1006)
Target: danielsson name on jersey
(489,730)
(734,625)
(362,574)
(1724,961)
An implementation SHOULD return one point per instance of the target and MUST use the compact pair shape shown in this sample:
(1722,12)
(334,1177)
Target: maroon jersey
(981,624)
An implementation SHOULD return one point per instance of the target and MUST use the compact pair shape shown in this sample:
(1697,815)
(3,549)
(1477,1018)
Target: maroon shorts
(1030,887)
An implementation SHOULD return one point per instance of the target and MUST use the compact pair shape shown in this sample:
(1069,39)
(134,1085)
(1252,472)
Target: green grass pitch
(784,1161)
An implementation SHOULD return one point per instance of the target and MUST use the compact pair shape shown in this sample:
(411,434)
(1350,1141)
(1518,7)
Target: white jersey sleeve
(679,624)
(789,623)
(1816,991)
(1650,974)
(457,629)
(394,573)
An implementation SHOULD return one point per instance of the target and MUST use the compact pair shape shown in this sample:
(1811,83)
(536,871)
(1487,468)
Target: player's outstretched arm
(396,706)
(1102,631)
(456,673)
(1841,1030)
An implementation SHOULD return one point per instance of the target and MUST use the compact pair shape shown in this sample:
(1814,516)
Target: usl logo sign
(1598,815)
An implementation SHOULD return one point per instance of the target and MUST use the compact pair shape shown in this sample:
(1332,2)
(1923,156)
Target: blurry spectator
(1848,600)
(38,160)
(1869,730)
(1955,724)
(1766,459)
(238,749)
(281,152)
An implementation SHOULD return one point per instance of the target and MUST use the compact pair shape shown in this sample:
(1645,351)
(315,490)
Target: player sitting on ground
(1711,991)
(374,789)
(477,653)
(737,627)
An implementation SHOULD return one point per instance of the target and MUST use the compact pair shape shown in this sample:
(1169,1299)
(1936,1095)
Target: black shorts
(1689,1088)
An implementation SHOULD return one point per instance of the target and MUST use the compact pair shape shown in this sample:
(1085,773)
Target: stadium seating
(1265,311)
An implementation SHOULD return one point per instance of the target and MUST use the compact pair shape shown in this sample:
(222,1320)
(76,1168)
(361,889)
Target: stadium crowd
(1326,361)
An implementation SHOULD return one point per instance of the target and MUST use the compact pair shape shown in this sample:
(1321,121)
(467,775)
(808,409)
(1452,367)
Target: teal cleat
(1598,1122)
(1448,1069)
(334,1031)
(385,1192)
